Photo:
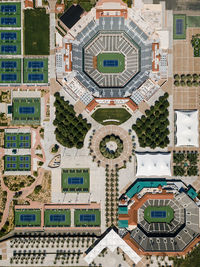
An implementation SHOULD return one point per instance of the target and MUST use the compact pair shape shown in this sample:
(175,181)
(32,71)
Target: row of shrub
(152,129)
(70,129)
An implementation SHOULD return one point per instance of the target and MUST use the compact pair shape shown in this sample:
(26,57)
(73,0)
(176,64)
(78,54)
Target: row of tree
(152,129)
(70,129)
(187,79)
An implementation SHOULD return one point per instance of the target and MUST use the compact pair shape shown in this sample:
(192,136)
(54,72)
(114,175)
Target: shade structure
(187,128)
(153,164)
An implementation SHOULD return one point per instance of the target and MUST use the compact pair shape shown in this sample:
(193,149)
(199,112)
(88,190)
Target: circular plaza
(123,141)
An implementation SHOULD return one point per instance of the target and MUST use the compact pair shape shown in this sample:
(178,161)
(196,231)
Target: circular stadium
(112,57)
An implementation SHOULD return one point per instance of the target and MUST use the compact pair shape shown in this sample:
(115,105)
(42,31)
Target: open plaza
(99,133)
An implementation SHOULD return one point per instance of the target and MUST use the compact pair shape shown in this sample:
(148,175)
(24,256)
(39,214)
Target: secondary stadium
(159,215)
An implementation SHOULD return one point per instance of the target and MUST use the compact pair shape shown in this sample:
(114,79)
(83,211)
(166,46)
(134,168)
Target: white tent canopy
(111,241)
(187,128)
(153,164)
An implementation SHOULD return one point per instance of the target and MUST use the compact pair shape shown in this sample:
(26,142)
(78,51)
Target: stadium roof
(112,240)
(187,128)
(153,164)
(72,15)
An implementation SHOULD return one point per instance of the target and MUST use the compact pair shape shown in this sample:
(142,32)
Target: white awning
(153,164)
(187,128)
(111,241)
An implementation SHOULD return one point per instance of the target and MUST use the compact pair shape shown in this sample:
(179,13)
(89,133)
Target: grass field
(193,21)
(71,173)
(36,32)
(49,223)
(110,56)
(26,118)
(16,15)
(79,223)
(169,214)
(17,163)
(16,70)
(28,70)
(17,140)
(183,34)
(108,116)
(16,42)
(35,223)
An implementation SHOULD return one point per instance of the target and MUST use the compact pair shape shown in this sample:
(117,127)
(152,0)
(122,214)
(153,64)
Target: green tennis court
(10,16)
(110,62)
(27,217)
(57,218)
(17,162)
(153,214)
(10,70)
(26,111)
(17,140)
(75,180)
(87,218)
(179,26)
(35,70)
(10,38)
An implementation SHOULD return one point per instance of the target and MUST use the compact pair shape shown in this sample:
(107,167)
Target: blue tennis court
(8,36)
(35,64)
(57,217)
(8,77)
(75,180)
(26,110)
(110,63)
(11,145)
(10,138)
(158,214)
(8,64)
(8,8)
(27,217)
(11,165)
(87,217)
(179,26)
(35,77)
(8,48)
(8,21)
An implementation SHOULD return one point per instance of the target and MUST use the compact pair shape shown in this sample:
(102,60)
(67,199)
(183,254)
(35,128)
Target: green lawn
(17,140)
(70,173)
(108,116)
(17,163)
(169,214)
(36,32)
(177,36)
(16,71)
(26,118)
(110,56)
(64,223)
(79,223)
(35,223)
(16,42)
(193,21)
(43,70)
(16,15)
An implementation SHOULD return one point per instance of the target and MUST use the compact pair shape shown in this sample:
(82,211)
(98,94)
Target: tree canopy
(70,129)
